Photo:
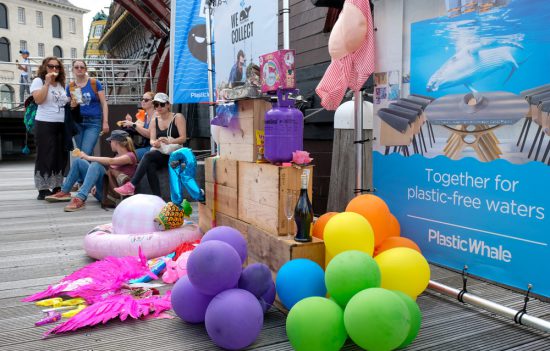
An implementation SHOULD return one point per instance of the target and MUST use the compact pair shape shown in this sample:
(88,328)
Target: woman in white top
(48,90)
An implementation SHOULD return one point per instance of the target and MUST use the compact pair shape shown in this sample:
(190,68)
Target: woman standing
(48,91)
(89,94)
(168,129)
(142,127)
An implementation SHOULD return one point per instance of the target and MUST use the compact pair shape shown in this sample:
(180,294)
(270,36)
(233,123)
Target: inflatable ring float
(133,227)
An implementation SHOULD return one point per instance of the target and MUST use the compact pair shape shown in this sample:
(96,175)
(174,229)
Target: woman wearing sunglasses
(141,125)
(168,129)
(89,94)
(48,91)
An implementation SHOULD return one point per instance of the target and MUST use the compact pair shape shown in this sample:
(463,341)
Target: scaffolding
(123,80)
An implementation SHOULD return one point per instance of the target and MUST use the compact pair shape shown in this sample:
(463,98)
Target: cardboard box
(262,195)
(276,251)
(277,70)
(238,141)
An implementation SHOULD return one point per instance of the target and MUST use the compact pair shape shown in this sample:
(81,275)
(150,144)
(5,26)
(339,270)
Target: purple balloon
(228,235)
(234,319)
(189,303)
(214,266)
(256,278)
(267,299)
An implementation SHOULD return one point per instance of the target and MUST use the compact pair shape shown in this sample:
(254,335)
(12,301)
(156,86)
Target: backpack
(30,113)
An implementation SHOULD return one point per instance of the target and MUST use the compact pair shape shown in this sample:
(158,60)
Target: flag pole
(210,70)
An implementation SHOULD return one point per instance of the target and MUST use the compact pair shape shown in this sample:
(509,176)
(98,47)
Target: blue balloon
(299,279)
(183,166)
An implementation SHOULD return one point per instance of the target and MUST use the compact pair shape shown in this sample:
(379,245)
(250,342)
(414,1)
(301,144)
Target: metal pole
(286,24)
(209,62)
(490,306)
(358,112)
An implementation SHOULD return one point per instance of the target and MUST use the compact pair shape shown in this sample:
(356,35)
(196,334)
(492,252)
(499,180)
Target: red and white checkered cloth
(351,70)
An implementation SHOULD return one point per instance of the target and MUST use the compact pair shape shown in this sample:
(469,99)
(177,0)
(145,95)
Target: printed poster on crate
(188,64)
(472,132)
(243,30)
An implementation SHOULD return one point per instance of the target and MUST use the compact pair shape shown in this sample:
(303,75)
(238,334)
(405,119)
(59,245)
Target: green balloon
(416,317)
(349,273)
(376,319)
(316,324)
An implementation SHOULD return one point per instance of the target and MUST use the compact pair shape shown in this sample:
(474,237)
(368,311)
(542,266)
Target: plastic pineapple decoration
(171,216)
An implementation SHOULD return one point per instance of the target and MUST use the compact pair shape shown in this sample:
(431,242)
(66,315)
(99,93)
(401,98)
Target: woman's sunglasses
(79,67)
(145,100)
(54,66)
(157,104)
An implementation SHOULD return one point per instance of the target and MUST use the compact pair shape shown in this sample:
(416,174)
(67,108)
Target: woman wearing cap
(89,94)
(167,128)
(92,169)
(48,92)
(141,125)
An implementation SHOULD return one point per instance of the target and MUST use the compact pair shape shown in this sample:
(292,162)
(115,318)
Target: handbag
(112,179)
(167,149)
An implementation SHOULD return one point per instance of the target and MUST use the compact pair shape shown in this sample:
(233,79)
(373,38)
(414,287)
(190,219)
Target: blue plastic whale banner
(492,217)
(462,157)
(188,67)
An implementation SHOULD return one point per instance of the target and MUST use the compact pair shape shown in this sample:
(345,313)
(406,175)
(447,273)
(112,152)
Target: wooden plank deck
(40,244)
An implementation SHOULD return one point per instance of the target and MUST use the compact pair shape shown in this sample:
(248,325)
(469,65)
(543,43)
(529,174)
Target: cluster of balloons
(373,277)
(374,318)
(217,291)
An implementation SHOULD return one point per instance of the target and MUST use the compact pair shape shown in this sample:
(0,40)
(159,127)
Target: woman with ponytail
(93,169)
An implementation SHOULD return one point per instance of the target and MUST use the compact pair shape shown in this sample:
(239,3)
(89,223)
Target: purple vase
(284,129)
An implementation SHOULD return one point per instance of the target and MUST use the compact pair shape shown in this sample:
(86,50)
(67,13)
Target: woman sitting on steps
(92,169)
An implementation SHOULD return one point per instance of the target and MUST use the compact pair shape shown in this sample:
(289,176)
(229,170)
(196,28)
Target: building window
(41,50)
(56,26)
(73,53)
(23,45)
(57,51)
(4,49)
(72,25)
(98,30)
(3,16)
(39,19)
(21,15)
(7,95)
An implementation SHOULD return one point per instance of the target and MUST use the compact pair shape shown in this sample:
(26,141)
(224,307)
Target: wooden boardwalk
(40,244)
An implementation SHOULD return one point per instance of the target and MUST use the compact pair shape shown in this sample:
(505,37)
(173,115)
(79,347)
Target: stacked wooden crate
(251,196)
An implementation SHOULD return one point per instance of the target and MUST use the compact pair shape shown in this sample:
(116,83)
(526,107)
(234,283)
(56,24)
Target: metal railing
(123,80)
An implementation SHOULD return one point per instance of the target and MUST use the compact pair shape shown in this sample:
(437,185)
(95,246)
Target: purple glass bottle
(284,129)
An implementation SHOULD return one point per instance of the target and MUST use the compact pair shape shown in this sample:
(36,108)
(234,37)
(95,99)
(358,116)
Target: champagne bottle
(303,213)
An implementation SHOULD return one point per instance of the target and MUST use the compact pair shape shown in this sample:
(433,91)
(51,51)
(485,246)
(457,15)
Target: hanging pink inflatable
(134,226)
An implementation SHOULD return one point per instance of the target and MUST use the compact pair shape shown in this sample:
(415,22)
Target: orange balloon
(375,210)
(394,226)
(319,225)
(396,241)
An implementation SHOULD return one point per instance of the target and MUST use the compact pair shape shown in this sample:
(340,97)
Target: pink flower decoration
(301,157)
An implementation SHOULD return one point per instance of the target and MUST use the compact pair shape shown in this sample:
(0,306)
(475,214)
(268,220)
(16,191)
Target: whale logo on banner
(189,70)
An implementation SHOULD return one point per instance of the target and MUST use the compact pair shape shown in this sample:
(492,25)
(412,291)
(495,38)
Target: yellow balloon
(347,231)
(404,269)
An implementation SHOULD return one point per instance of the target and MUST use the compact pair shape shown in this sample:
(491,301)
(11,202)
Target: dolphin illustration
(475,62)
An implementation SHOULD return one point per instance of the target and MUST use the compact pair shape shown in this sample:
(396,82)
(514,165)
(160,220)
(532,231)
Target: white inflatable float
(134,227)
